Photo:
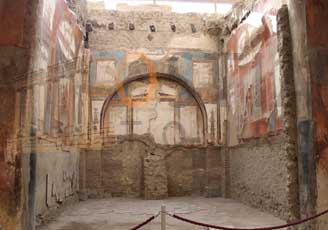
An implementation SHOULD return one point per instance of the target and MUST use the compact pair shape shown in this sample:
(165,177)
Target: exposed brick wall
(155,176)
(259,175)
(121,170)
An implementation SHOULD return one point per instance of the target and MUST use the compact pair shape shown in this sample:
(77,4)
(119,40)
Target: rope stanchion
(150,219)
(144,223)
(294,223)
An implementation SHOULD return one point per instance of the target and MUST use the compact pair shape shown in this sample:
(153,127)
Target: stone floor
(119,214)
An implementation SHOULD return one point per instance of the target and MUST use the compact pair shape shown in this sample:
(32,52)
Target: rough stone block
(156,185)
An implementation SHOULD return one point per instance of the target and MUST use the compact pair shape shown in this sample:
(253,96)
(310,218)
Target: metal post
(163,217)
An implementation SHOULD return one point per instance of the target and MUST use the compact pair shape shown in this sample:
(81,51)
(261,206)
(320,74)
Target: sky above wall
(179,7)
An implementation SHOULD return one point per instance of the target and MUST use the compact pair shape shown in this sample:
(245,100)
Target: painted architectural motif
(164,108)
(254,98)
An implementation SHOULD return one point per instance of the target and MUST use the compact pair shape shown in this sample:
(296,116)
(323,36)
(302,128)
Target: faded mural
(317,15)
(164,109)
(12,23)
(43,88)
(253,77)
(171,117)
(62,42)
(14,44)
(319,70)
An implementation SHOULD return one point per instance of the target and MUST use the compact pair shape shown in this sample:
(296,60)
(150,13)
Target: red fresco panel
(53,31)
(65,37)
(254,45)
(320,116)
(317,16)
(316,13)
(12,15)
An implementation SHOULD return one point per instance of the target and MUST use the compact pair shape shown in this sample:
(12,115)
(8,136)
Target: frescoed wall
(317,15)
(61,35)
(319,38)
(119,53)
(60,106)
(17,27)
(156,90)
(62,39)
(48,105)
(172,101)
(12,14)
(261,172)
(253,77)
(169,113)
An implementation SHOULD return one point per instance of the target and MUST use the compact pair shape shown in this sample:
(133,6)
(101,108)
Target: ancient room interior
(163,114)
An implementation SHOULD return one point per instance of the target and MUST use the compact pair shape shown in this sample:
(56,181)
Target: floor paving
(123,213)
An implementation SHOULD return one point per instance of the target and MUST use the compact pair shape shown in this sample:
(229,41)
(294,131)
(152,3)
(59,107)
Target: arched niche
(131,99)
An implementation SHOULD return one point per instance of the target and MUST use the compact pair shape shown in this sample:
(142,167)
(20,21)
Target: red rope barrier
(144,223)
(264,228)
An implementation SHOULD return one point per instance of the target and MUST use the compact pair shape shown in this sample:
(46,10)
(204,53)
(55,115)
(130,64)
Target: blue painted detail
(120,55)
(189,57)
(126,89)
(117,55)
(306,148)
(272,121)
(48,114)
(184,94)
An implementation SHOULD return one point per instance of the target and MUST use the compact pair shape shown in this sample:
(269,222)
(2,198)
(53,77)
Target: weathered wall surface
(173,111)
(54,109)
(305,128)
(167,111)
(46,107)
(155,177)
(57,177)
(17,25)
(9,178)
(12,23)
(122,46)
(316,16)
(57,76)
(38,37)
(120,170)
(289,111)
(254,88)
(259,175)
(132,30)
(59,102)
(261,111)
